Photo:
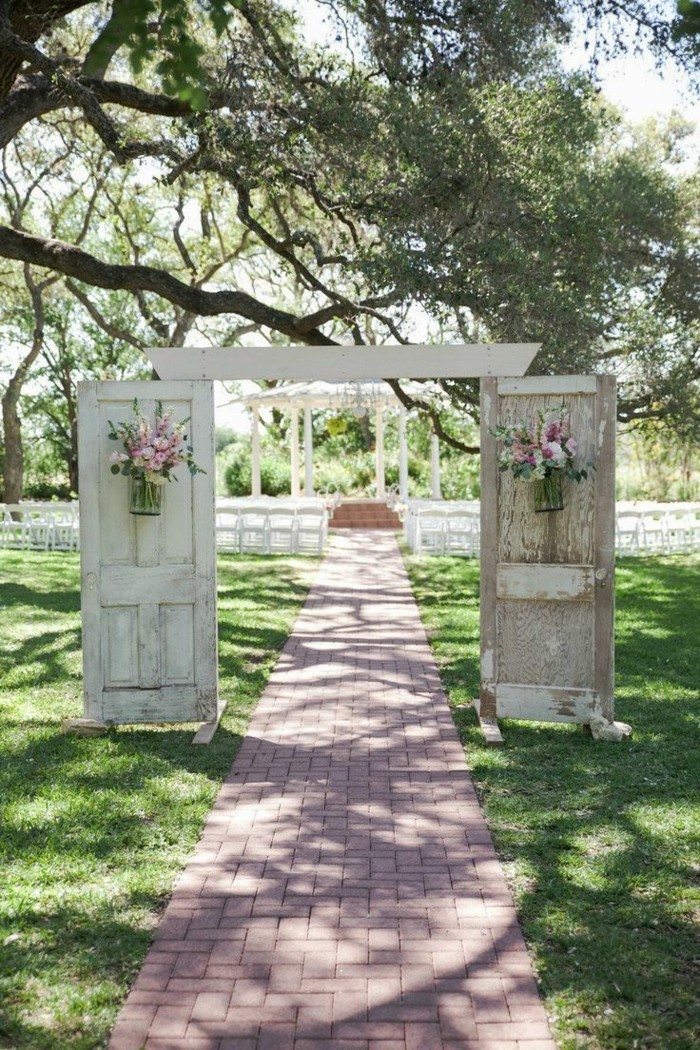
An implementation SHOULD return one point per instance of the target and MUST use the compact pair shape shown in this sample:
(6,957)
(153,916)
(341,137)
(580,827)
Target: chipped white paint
(545,703)
(547,592)
(545,582)
(546,385)
(148,583)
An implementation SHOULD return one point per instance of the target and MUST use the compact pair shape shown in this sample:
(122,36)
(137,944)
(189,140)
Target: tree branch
(433,415)
(100,320)
(81,96)
(73,262)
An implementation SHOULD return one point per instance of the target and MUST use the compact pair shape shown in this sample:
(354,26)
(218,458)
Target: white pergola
(359,397)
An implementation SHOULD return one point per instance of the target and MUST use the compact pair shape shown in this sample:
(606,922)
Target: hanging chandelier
(360,396)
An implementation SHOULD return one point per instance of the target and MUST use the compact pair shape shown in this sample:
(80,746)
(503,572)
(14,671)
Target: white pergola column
(296,487)
(255,453)
(308,453)
(379,438)
(435,466)
(403,456)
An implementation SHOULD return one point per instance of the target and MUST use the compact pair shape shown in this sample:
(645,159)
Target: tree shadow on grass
(79,959)
(95,830)
(600,839)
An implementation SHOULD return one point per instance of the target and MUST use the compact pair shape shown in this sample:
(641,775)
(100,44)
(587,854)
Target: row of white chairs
(286,525)
(442,527)
(40,526)
(274,526)
(657,528)
(437,527)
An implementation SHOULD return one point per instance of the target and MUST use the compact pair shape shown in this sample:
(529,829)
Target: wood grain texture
(606,412)
(174,703)
(552,597)
(90,547)
(177,644)
(565,536)
(149,645)
(120,651)
(540,582)
(545,643)
(162,582)
(204,501)
(489,551)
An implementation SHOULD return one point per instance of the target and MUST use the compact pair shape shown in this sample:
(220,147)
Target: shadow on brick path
(345,893)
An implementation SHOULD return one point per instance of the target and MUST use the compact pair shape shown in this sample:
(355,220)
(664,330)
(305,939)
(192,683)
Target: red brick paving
(345,893)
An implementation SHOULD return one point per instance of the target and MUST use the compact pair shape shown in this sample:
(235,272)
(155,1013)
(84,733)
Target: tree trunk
(13,472)
(12,426)
(367,435)
(73,431)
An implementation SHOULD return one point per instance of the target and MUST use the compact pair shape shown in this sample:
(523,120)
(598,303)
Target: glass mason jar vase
(547,493)
(145,496)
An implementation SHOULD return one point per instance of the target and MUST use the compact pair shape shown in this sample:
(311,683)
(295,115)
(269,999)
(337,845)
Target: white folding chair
(281,530)
(679,534)
(228,530)
(15,531)
(311,529)
(629,532)
(430,531)
(29,526)
(655,531)
(253,534)
(462,532)
(65,530)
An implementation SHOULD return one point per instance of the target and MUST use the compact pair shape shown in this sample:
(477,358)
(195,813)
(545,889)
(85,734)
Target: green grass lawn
(93,831)
(600,841)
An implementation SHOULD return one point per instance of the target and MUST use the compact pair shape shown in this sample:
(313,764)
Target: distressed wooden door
(547,579)
(148,583)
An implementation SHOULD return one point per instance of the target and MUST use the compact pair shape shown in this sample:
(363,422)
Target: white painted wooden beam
(435,466)
(403,455)
(379,440)
(296,488)
(343,362)
(308,453)
(256,488)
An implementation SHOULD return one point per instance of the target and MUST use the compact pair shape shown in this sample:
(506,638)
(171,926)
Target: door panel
(149,583)
(547,579)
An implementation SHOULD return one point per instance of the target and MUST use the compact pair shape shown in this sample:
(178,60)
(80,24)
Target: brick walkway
(345,893)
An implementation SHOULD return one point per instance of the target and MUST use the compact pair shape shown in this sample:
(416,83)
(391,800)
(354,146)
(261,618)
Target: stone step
(370,514)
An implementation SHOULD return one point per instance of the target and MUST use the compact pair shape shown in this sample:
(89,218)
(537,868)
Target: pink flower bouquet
(537,450)
(151,454)
(541,452)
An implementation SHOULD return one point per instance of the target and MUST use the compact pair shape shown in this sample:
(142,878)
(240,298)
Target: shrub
(275,474)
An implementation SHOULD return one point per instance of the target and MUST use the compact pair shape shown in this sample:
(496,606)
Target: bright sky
(640,91)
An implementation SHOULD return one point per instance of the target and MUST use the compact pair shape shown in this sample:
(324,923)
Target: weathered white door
(148,583)
(547,579)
